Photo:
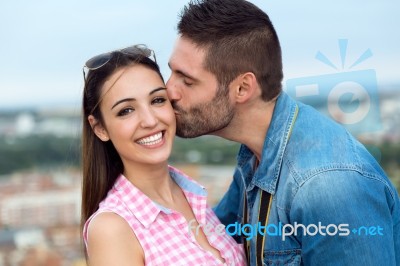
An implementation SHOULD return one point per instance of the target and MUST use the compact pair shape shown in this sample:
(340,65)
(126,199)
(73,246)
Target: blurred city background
(342,58)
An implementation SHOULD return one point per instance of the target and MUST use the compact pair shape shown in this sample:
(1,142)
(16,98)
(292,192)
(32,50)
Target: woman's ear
(98,129)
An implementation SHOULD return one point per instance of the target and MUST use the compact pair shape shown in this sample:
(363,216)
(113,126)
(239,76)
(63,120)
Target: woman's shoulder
(111,239)
(108,224)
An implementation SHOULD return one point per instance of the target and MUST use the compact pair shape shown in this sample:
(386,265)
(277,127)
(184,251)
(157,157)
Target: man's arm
(357,219)
(229,207)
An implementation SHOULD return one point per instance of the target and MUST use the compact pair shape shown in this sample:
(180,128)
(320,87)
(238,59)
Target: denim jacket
(332,203)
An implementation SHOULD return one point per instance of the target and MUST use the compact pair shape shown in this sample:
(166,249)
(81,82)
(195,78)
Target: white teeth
(151,140)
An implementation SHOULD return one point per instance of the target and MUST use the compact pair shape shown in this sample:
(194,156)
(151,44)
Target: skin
(192,91)
(201,106)
(134,107)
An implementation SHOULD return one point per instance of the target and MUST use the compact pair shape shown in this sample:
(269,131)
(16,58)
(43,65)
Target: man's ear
(245,86)
(98,129)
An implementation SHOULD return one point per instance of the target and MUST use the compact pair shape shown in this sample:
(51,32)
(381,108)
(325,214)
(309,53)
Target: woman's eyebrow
(133,99)
(122,101)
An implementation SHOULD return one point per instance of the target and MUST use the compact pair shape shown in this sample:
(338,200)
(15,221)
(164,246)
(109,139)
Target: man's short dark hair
(238,37)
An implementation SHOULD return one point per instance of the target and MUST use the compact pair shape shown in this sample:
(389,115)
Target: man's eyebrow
(183,73)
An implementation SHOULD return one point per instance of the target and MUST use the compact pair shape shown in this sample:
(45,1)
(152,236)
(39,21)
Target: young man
(302,181)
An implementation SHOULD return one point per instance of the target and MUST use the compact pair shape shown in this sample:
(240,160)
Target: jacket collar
(278,133)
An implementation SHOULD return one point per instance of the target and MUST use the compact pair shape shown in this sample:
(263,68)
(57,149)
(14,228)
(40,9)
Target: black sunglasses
(101,60)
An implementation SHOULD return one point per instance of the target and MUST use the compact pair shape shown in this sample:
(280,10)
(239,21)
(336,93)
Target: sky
(45,43)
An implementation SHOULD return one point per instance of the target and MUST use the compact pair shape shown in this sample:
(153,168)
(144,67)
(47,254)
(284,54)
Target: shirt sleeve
(347,219)
(229,209)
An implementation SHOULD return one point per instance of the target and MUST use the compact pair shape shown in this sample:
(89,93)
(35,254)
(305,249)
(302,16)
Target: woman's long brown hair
(101,164)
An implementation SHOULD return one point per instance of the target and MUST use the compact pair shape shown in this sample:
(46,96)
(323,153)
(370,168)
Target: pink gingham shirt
(164,233)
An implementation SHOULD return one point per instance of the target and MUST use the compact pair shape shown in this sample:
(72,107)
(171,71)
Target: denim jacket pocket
(283,257)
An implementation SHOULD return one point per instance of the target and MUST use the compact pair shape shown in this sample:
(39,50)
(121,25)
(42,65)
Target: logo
(349,97)
(249,231)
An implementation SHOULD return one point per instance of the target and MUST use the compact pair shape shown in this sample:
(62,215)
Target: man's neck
(250,126)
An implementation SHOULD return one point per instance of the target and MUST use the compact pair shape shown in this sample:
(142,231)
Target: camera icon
(350,98)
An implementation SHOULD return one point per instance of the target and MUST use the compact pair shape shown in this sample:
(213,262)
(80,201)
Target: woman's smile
(153,140)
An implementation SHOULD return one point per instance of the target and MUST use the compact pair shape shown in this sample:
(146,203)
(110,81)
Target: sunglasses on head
(101,60)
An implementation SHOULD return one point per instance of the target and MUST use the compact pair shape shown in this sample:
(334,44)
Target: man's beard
(204,118)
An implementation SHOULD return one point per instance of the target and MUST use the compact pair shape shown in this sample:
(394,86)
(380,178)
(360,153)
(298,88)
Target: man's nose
(173,91)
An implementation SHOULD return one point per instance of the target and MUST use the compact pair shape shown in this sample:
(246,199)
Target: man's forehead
(186,47)
(186,60)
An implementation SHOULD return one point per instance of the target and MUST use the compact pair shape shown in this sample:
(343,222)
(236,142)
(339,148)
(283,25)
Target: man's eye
(187,83)
(125,111)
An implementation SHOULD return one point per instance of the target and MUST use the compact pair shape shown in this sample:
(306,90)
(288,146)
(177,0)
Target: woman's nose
(148,118)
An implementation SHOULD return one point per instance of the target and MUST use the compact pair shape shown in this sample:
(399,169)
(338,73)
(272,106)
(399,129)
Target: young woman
(136,209)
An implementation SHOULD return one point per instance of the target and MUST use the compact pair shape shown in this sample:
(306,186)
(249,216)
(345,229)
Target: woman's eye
(125,111)
(159,100)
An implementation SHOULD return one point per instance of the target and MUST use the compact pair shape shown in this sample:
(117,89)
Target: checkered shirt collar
(146,210)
